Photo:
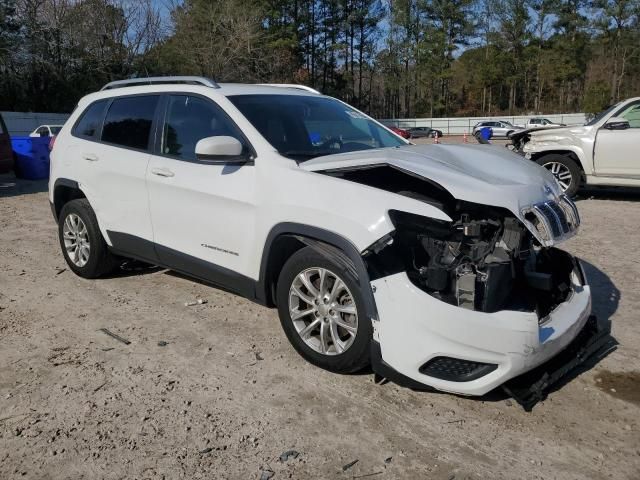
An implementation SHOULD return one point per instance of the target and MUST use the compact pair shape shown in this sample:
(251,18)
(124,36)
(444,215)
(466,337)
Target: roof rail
(132,82)
(291,85)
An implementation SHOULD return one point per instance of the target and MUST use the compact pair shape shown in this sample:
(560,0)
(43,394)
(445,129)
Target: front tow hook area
(592,344)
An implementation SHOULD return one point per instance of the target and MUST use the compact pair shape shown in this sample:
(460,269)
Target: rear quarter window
(128,121)
(89,123)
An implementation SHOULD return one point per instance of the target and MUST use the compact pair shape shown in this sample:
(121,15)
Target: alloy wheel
(76,240)
(561,172)
(323,311)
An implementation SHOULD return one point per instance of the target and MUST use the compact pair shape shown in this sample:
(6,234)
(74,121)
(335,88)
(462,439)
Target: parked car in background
(500,128)
(6,152)
(604,151)
(400,131)
(46,131)
(542,123)
(422,132)
(409,257)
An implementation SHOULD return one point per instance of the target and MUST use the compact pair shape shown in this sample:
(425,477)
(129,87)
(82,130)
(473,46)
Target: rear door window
(89,123)
(128,121)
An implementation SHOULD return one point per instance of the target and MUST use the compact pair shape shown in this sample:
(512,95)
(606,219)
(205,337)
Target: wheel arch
(286,238)
(64,190)
(567,153)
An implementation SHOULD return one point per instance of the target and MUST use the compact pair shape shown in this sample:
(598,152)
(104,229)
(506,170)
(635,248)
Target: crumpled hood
(557,134)
(484,174)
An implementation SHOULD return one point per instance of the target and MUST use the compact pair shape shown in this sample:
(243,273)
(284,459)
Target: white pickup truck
(604,151)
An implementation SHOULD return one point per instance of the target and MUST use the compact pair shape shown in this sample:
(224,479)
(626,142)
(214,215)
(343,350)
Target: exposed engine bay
(484,260)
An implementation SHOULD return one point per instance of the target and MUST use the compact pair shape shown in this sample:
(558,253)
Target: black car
(421,132)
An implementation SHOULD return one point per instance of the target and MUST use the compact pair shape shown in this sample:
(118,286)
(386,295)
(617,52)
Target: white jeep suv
(434,263)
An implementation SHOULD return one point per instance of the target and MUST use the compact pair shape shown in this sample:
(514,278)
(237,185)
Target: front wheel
(565,170)
(320,307)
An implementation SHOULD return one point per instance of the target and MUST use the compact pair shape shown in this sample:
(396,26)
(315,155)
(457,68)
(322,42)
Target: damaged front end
(479,295)
(500,268)
(485,259)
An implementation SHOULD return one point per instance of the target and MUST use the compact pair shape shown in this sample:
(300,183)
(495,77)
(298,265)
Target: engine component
(484,260)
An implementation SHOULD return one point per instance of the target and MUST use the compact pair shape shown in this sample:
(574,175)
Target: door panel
(617,151)
(203,211)
(203,214)
(114,173)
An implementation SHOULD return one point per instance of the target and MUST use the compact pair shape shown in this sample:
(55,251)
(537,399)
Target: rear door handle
(91,157)
(162,172)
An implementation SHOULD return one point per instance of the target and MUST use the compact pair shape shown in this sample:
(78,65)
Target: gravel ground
(226,395)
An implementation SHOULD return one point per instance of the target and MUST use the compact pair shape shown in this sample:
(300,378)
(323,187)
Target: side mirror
(617,123)
(220,150)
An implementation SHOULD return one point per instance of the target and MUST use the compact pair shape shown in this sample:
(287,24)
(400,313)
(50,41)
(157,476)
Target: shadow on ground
(623,194)
(10,186)
(606,298)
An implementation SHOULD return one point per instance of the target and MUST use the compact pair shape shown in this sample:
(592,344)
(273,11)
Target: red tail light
(52,142)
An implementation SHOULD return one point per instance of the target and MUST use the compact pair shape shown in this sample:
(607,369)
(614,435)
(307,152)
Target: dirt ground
(227,395)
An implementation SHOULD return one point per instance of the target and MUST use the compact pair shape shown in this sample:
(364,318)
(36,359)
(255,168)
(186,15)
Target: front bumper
(414,328)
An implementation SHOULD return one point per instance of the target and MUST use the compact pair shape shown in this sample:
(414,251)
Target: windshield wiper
(306,154)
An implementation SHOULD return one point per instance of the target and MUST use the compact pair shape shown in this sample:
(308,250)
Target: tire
(356,355)
(94,261)
(509,133)
(568,172)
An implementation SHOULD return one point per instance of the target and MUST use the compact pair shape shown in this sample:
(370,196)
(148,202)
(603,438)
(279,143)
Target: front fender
(579,146)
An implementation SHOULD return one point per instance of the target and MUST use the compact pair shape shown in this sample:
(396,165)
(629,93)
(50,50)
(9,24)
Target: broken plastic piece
(592,343)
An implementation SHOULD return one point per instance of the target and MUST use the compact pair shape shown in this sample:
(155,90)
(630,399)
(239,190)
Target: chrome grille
(551,221)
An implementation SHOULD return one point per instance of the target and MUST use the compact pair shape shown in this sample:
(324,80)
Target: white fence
(460,125)
(21,124)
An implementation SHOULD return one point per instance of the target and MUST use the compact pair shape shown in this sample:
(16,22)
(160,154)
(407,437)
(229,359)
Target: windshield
(599,116)
(303,127)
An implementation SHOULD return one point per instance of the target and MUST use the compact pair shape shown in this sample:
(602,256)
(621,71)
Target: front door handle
(90,157)
(162,172)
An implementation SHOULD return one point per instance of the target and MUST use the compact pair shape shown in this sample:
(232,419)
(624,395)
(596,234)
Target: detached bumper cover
(593,343)
(414,328)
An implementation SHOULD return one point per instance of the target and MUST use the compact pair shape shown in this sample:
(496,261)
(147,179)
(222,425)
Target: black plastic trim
(145,250)
(208,272)
(53,211)
(61,182)
(478,369)
(132,246)
(384,370)
(593,343)
(225,159)
(263,292)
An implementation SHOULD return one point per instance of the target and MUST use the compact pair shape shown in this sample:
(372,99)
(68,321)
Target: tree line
(391,58)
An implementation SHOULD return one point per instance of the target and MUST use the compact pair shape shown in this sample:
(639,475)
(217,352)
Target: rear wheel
(83,247)
(565,170)
(320,307)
